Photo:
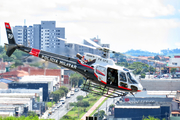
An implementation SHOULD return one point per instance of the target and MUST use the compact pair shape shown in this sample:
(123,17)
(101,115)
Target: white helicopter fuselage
(123,78)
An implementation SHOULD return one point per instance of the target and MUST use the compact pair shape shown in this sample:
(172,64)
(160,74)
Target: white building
(174,63)
(51,80)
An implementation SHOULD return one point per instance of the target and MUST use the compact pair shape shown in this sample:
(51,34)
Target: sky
(150,25)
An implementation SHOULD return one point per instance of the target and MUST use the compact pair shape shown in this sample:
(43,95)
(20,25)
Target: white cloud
(177,44)
(125,24)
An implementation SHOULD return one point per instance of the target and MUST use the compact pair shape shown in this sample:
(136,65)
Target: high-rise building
(45,36)
(20,34)
(49,36)
(42,36)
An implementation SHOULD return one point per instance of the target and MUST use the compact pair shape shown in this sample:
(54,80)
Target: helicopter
(102,76)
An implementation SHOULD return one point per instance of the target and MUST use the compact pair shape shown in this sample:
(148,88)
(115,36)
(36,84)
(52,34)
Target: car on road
(68,95)
(72,92)
(59,104)
(52,110)
(62,100)
(76,90)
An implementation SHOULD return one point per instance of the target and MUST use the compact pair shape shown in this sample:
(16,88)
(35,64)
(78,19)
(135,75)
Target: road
(106,104)
(59,113)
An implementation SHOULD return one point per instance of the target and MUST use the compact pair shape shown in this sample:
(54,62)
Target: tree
(66,117)
(151,118)
(112,106)
(79,98)
(84,104)
(100,114)
(31,113)
(35,64)
(152,69)
(143,75)
(55,95)
(173,70)
(76,79)
(1,49)
(156,57)
(18,63)
(72,104)
(64,89)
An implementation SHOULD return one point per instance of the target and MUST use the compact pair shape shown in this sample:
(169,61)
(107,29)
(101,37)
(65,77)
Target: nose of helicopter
(140,88)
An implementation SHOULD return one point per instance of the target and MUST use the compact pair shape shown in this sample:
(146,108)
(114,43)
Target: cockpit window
(131,78)
(123,77)
(100,70)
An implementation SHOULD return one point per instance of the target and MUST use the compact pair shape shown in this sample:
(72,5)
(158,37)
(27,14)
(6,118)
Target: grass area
(74,111)
(98,107)
(49,104)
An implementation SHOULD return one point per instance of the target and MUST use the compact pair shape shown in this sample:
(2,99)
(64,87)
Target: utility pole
(78,112)
(98,114)
(106,106)
(58,113)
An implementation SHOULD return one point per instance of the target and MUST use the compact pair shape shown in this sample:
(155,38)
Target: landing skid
(102,90)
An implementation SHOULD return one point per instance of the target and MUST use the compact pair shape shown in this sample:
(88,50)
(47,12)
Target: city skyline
(141,25)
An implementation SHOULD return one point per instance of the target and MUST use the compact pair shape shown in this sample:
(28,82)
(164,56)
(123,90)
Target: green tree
(143,75)
(6,58)
(35,64)
(31,113)
(18,63)
(100,114)
(67,117)
(1,49)
(63,89)
(76,79)
(173,70)
(112,106)
(151,118)
(83,104)
(152,69)
(56,96)
(72,104)
(79,98)
(156,57)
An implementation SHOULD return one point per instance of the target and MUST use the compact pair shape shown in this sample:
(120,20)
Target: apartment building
(45,36)
(42,36)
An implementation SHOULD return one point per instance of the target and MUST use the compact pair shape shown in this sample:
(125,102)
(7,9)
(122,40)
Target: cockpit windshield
(131,78)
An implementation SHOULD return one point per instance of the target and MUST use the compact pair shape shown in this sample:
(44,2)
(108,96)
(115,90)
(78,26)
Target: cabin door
(112,76)
(101,73)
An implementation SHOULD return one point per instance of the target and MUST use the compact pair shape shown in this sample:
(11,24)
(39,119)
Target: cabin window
(123,77)
(131,78)
(100,70)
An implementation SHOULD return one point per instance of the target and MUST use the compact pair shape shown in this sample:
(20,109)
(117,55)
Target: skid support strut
(102,90)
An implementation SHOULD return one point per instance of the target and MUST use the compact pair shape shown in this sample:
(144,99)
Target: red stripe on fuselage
(103,82)
(95,75)
(84,65)
(7,25)
(100,72)
(124,88)
(35,52)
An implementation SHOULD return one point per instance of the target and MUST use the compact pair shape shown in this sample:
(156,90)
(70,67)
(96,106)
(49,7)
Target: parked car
(55,108)
(59,104)
(76,90)
(62,100)
(68,95)
(52,110)
(72,92)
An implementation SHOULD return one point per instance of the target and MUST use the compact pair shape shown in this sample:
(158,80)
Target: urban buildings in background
(42,36)
(45,36)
